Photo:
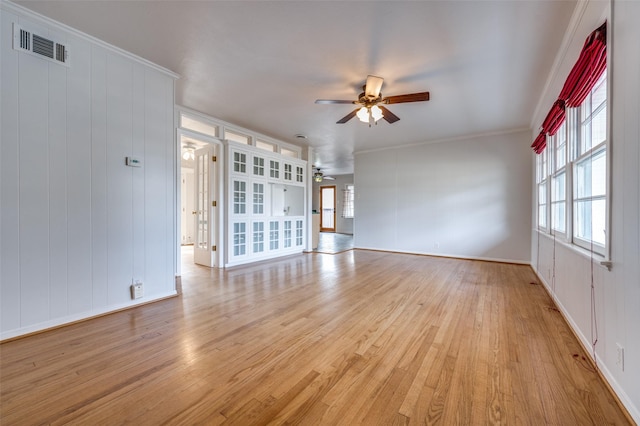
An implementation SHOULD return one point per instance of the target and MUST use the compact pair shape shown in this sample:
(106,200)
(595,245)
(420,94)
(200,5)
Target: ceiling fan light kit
(318,176)
(369,111)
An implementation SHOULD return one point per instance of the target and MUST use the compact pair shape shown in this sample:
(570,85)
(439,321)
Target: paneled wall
(465,198)
(612,316)
(77,225)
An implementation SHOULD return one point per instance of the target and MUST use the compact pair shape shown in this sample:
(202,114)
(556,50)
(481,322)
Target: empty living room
(471,170)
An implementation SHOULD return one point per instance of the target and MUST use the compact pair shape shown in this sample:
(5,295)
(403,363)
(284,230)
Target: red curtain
(540,143)
(583,76)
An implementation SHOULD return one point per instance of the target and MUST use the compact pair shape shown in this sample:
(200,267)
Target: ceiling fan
(318,176)
(371,110)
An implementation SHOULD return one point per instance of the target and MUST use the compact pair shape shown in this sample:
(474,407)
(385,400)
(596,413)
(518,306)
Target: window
(236,137)
(288,153)
(267,146)
(571,175)
(347,202)
(541,178)
(590,170)
(559,182)
(299,174)
(258,198)
(198,125)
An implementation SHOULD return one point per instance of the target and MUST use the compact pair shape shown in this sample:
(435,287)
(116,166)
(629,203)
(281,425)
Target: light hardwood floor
(359,337)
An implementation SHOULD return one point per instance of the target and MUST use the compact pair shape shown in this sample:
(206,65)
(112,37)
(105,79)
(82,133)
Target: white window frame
(548,168)
(348,201)
(542,185)
(559,168)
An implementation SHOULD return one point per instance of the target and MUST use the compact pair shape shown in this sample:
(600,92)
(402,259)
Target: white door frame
(217,193)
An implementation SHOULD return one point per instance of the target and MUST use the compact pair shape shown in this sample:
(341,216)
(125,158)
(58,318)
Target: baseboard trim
(598,365)
(78,318)
(448,256)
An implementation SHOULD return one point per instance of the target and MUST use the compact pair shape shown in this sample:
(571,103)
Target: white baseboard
(82,316)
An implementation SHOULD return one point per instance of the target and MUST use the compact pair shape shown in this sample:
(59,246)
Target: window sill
(599,259)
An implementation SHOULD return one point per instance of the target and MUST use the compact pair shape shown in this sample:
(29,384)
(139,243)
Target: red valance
(583,76)
(540,143)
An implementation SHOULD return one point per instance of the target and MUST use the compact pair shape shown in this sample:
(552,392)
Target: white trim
(448,256)
(443,140)
(82,316)
(595,256)
(586,346)
(253,135)
(29,14)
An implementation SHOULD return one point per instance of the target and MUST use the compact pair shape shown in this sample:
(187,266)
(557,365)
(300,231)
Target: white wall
(464,198)
(76,224)
(617,292)
(343,225)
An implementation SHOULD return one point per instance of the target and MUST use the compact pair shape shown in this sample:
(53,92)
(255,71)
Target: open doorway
(198,198)
(328,208)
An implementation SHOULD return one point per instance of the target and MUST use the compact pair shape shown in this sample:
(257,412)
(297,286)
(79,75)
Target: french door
(203,248)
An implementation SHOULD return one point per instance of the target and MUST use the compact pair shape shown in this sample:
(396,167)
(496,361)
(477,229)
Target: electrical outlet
(620,356)
(136,290)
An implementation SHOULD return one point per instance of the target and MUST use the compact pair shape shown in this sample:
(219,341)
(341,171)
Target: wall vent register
(29,42)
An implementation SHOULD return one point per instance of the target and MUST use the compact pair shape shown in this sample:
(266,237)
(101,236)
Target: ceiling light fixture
(369,114)
(317,177)
(188,152)
(363,114)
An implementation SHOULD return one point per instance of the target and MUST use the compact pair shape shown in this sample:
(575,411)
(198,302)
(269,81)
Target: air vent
(37,45)
(42,46)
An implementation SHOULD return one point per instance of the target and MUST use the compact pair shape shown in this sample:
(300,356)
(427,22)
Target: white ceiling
(262,64)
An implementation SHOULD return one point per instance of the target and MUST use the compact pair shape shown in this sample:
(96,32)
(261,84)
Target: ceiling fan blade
(373,86)
(333,101)
(411,97)
(388,115)
(348,116)
(328,178)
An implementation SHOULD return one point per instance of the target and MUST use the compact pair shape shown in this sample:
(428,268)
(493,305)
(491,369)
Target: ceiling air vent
(37,45)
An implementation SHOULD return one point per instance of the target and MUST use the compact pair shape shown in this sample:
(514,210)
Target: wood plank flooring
(359,337)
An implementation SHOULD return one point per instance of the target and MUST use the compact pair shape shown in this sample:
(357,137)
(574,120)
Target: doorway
(198,197)
(328,208)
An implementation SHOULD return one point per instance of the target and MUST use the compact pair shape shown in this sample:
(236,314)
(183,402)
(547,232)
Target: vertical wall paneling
(76,223)
(119,177)
(79,141)
(33,165)
(99,207)
(172,166)
(155,219)
(626,194)
(165,119)
(58,193)
(137,174)
(9,179)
